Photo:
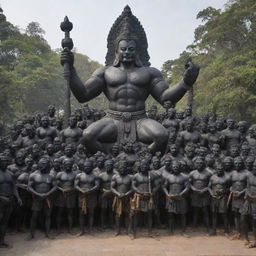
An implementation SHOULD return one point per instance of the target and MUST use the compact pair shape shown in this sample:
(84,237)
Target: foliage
(224,46)
(31,74)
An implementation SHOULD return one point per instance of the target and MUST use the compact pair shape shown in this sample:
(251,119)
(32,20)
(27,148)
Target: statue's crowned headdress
(127,27)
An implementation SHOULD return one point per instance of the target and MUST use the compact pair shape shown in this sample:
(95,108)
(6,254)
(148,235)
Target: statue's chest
(137,77)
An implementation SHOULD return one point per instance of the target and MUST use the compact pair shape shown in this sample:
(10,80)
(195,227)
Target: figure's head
(209,160)
(242,126)
(30,130)
(100,162)
(88,166)
(176,167)
(199,163)
(51,110)
(129,147)
(167,164)
(57,144)
(238,163)
(68,164)
(188,111)
(215,149)
(174,149)
(245,149)
(212,127)
(57,164)
(144,166)
(249,162)
(109,165)
(219,168)
(254,168)
(230,123)
(171,112)
(234,151)
(69,151)
(123,167)
(156,163)
(50,149)
(44,164)
(228,163)
(20,158)
(45,121)
(29,161)
(126,52)
(190,149)
(189,124)
(72,121)
(115,149)
(3,161)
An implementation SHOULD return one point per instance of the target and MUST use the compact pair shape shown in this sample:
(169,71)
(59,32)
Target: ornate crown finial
(127,27)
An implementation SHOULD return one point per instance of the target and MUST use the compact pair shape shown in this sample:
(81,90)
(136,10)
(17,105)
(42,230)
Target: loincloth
(177,206)
(249,208)
(121,205)
(219,205)
(141,203)
(66,199)
(40,203)
(127,125)
(200,200)
(87,201)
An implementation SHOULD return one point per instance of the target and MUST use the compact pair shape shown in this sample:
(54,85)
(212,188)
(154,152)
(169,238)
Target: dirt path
(105,244)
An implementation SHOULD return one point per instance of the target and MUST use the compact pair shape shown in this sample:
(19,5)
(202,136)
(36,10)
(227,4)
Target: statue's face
(109,166)
(50,149)
(44,165)
(171,112)
(68,151)
(228,163)
(209,161)
(215,149)
(173,149)
(56,164)
(88,167)
(51,110)
(3,162)
(126,51)
(220,170)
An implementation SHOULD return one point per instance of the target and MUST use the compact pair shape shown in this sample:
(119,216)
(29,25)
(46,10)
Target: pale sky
(169,24)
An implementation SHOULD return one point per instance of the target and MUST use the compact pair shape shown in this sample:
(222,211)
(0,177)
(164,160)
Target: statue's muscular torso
(127,90)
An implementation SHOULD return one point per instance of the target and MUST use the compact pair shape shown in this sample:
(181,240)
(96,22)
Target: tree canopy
(224,46)
(30,71)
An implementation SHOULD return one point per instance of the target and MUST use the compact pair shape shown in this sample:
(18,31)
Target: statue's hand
(67,57)
(191,72)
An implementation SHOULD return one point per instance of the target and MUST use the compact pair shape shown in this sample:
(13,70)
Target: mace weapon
(67,45)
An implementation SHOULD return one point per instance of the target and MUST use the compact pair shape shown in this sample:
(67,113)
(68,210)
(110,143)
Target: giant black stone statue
(127,80)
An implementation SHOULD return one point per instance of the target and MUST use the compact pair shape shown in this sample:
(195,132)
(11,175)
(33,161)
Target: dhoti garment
(66,199)
(177,206)
(219,204)
(87,201)
(121,205)
(249,207)
(200,200)
(237,203)
(142,203)
(127,125)
(40,203)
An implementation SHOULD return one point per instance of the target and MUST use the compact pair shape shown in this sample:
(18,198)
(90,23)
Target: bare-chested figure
(231,136)
(30,139)
(72,134)
(106,195)
(127,81)
(8,193)
(238,188)
(121,186)
(200,198)
(66,195)
(176,186)
(219,190)
(41,185)
(249,207)
(45,133)
(145,188)
(87,185)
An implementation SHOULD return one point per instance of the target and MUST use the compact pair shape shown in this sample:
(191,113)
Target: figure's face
(188,111)
(72,122)
(56,165)
(209,161)
(156,164)
(175,167)
(173,149)
(167,165)
(109,166)
(249,163)
(68,164)
(123,168)
(45,122)
(3,162)
(171,113)
(228,163)
(215,149)
(129,148)
(242,128)
(220,170)
(50,149)
(245,150)
(212,128)
(51,110)
(238,163)
(144,167)
(57,145)
(254,168)
(189,125)
(43,165)
(88,167)
(234,151)
(126,51)
(19,160)
(230,123)
(199,164)
(68,151)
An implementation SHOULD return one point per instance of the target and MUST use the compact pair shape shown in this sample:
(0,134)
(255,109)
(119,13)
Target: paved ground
(105,244)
